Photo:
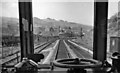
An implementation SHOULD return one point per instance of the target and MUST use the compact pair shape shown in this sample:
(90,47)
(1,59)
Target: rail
(16,55)
(62,51)
(80,51)
(59,50)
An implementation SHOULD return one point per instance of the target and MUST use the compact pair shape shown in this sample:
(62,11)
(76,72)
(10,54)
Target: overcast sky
(80,12)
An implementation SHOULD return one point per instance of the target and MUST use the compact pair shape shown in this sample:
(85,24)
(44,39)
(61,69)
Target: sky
(81,11)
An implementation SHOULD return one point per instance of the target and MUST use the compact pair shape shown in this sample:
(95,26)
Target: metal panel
(26,28)
(100,30)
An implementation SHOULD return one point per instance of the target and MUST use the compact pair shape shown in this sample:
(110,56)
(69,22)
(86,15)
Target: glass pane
(72,21)
(9,26)
(113,29)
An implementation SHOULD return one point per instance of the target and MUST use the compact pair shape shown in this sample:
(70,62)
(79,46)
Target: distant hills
(10,26)
(49,22)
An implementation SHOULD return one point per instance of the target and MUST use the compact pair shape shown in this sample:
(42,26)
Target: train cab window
(69,25)
(59,36)
(113,32)
(9,32)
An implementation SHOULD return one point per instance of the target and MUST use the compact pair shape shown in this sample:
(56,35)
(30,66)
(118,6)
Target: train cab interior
(30,59)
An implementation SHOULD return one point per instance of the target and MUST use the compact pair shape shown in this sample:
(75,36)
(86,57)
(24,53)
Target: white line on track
(47,59)
(49,49)
(71,52)
(91,52)
(80,54)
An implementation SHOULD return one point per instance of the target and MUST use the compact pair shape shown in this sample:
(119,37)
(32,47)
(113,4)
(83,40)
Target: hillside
(10,26)
(113,30)
(114,24)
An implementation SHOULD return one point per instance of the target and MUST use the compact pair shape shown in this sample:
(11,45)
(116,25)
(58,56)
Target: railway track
(65,49)
(17,50)
(59,51)
(79,51)
(16,56)
(62,51)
